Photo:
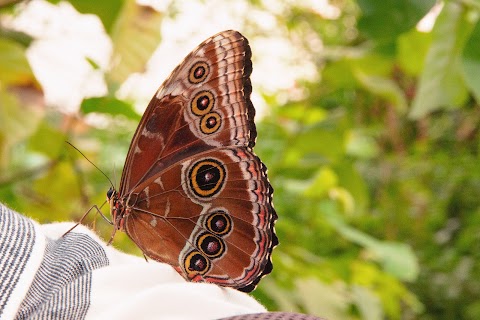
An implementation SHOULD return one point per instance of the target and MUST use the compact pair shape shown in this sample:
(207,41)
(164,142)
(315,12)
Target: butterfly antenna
(114,174)
(93,164)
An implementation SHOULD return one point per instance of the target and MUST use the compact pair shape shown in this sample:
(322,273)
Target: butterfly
(192,193)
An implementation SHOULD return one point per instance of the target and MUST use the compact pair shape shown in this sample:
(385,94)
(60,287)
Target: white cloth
(46,276)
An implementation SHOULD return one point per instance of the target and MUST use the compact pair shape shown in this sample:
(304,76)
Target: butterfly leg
(84,216)
(112,236)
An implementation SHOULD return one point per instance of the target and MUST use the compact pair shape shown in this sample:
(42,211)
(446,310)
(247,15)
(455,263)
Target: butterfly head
(111,193)
(117,210)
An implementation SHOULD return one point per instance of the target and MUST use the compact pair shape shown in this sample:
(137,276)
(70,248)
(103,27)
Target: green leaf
(135,36)
(47,140)
(373,64)
(109,105)
(18,120)
(324,180)
(14,66)
(412,50)
(394,296)
(60,182)
(385,88)
(282,297)
(368,303)
(16,36)
(317,298)
(442,84)
(350,179)
(338,74)
(387,19)
(397,258)
(361,145)
(471,62)
(107,11)
(300,112)
(320,141)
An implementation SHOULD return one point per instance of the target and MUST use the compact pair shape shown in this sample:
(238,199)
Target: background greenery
(375,163)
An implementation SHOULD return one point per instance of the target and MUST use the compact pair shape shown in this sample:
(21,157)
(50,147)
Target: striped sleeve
(20,256)
(61,288)
(44,278)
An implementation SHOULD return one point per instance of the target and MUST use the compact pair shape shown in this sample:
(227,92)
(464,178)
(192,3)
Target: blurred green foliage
(375,167)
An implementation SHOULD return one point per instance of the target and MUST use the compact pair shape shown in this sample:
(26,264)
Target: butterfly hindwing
(213,212)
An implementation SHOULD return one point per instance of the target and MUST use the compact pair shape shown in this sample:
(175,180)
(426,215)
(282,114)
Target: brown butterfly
(193,194)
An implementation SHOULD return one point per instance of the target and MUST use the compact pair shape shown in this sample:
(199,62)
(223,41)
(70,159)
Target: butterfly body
(193,194)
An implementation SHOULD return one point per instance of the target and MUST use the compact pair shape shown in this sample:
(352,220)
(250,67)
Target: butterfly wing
(198,198)
(204,104)
(210,216)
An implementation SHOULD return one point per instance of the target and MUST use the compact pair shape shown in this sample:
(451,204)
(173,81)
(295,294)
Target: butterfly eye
(219,223)
(210,245)
(202,103)
(110,193)
(210,123)
(195,263)
(198,72)
(207,177)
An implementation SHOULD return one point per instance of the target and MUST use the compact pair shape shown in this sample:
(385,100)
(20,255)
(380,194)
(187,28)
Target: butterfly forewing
(181,118)
(192,193)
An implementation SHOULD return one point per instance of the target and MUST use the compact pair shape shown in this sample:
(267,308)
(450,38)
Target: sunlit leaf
(14,67)
(350,179)
(320,141)
(471,62)
(392,294)
(16,36)
(109,105)
(47,140)
(135,35)
(302,113)
(372,64)
(397,258)
(50,187)
(369,304)
(442,84)
(17,122)
(412,50)
(338,74)
(361,145)
(324,179)
(282,297)
(385,88)
(388,19)
(344,198)
(107,11)
(329,301)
